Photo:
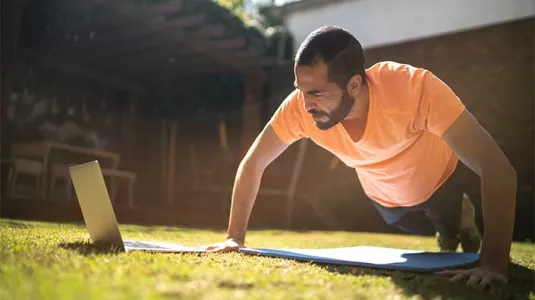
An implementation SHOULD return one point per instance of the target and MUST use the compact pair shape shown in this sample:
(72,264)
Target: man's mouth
(317,115)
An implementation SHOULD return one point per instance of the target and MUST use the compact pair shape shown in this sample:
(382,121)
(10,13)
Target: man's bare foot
(469,233)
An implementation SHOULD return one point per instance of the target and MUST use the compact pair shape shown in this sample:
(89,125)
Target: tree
(259,15)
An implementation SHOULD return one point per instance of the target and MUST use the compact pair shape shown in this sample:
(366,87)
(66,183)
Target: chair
(130,177)
(19,166)
(30,157)
(60,171)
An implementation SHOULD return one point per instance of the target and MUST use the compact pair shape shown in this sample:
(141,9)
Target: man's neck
(359,111)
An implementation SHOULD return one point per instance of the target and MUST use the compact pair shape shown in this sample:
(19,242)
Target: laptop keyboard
(134,244)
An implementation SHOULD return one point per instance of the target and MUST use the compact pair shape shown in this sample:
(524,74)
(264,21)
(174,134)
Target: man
(404,131)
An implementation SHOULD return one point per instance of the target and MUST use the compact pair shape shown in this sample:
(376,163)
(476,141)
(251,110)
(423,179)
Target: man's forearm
(498,191)
(244,194)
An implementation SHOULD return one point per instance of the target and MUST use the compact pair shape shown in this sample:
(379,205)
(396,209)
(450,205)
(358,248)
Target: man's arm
(263,151)
(477,149)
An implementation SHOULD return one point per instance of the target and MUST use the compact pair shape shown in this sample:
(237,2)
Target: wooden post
(251,111)
(193,167)
(223,140)
(171,165)
(128,127)
(163,155)
(290,194)
(11,12)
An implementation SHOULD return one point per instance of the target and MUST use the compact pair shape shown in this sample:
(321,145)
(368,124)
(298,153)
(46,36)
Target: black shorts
(443,210)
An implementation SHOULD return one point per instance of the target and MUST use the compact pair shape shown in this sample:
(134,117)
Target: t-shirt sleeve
(439,107)
(287,121)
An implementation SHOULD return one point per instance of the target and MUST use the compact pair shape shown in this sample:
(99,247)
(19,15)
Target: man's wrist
(498,261)
(236,240)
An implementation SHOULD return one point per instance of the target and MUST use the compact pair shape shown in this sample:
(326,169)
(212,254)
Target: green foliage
(261,15)
(268,17)
(237,7)
(58,261)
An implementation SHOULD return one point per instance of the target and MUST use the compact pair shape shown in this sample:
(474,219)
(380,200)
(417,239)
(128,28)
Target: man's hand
(230,245)
(479,277)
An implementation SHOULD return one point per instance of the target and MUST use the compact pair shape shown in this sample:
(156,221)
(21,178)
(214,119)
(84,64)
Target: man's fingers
(473,281)
(486,282)
(461,275)
(502,278)
(476,278)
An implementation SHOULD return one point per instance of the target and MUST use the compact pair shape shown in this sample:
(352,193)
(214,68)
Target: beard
(336,116)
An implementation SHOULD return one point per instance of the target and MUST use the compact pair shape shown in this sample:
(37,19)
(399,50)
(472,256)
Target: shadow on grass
(88,248)
(431,286)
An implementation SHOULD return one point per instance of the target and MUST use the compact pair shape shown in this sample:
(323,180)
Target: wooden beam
(188,72)
(249,52)
(85,17)
(131,48)
(158,77)
(150,9)
(150,27)
(201,66)
(164,63)
(175,32)
(72,68)
(256,62)
(176,54)
(212,31)
(231,43)
(183,52)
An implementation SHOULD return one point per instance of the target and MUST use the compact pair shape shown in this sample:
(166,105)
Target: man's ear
(354,85)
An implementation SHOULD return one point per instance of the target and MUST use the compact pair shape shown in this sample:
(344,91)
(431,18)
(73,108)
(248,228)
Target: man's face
(324,100)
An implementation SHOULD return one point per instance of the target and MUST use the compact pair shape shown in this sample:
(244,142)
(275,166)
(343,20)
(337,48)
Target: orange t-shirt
(401,159)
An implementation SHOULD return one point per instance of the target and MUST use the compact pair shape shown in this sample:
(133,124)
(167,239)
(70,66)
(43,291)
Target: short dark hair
(338,49)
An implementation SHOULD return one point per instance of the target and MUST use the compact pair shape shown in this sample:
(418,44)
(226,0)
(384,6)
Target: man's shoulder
(391,69)
(397,86)
(397,78)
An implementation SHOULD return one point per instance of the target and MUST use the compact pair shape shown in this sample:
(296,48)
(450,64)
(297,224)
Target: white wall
(382,22)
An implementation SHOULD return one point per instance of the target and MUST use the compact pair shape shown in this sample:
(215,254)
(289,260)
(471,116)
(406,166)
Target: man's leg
(469,233)
(453,217)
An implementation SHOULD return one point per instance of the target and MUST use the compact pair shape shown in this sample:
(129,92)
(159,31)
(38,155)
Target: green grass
(57,261)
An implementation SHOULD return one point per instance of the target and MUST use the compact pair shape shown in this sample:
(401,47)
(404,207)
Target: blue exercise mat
(374,257)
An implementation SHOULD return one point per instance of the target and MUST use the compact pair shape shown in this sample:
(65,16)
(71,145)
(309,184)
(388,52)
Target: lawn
(57,261)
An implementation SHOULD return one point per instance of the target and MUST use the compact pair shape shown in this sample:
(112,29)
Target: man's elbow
(509,173)
(502,172)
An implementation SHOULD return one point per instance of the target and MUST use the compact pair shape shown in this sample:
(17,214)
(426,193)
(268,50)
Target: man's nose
(309,103)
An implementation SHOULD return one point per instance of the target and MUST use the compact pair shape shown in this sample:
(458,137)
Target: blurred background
(169,94)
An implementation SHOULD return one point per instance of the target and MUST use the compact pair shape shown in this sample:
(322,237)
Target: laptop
(99,217)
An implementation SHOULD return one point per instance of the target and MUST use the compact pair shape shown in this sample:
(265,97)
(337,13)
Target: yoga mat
(374,257)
